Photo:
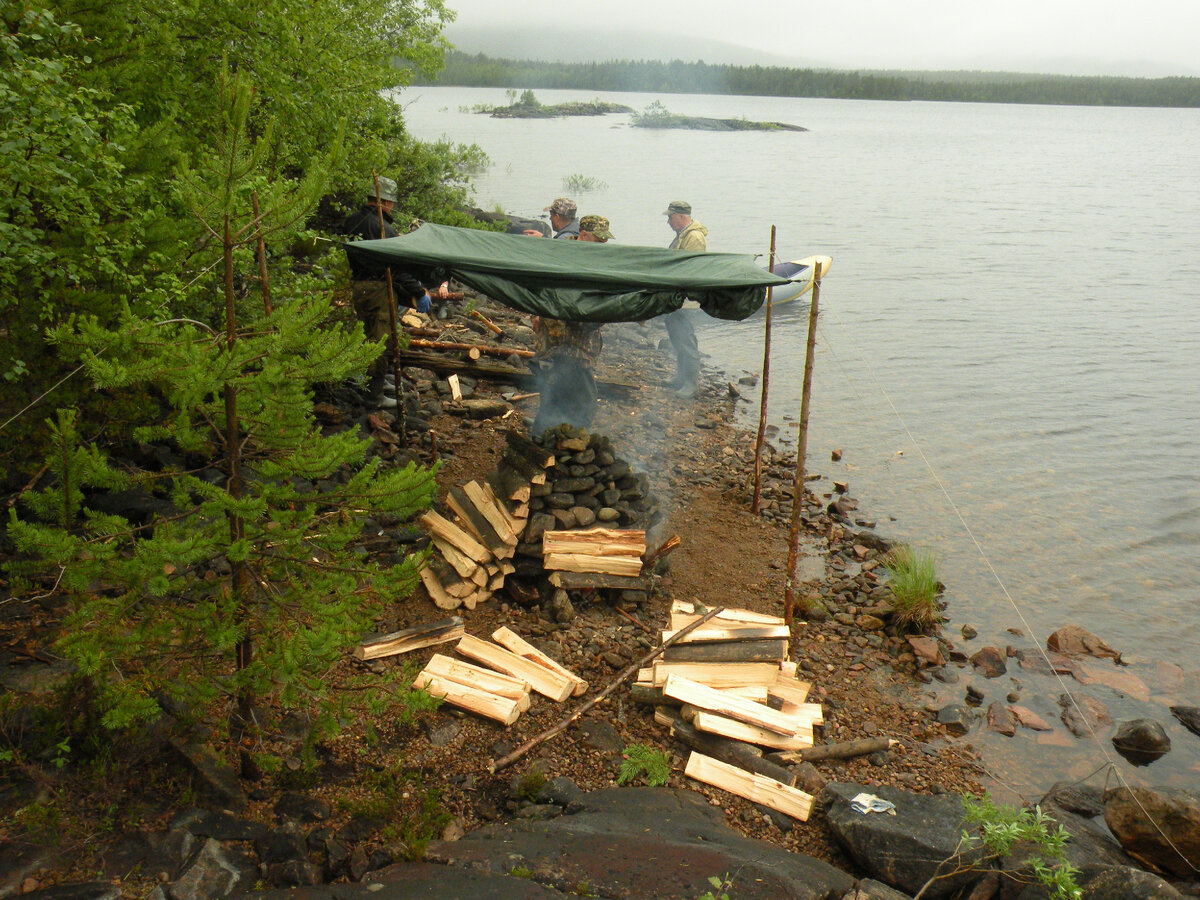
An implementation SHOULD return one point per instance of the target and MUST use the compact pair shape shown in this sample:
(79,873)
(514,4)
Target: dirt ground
(432,775)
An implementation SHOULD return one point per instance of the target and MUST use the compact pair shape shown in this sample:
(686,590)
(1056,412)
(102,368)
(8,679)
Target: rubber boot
(687,379)
(376,395)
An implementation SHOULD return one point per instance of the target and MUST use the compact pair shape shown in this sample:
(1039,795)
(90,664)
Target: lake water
(1008,353)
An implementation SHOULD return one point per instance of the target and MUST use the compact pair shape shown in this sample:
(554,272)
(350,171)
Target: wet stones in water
(956,717)
(1083,715)
(989,662)
(1001,720)
(1188,716)
(1141,741)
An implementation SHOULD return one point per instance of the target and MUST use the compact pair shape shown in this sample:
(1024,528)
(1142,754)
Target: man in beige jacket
(689,235)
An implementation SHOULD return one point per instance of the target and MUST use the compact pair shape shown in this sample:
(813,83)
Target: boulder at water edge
(909,848)
(1141,741)
(1161,827)
(1113,883)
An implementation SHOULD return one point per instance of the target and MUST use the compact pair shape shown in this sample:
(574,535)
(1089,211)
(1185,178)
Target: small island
(658,116)
(527,106)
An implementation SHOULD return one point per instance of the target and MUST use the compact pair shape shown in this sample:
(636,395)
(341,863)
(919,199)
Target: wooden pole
(766,375)
(394,323)
(506,761)
(789,595)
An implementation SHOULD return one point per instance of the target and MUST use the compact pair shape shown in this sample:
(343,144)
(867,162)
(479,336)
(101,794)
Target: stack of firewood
(501,691)
(594,551)
(730,695)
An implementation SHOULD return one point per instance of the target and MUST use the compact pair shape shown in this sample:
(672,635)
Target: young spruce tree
(249,590)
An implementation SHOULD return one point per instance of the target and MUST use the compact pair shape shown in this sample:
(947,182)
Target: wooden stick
(844,750)
(506,761)
(488,323)
(411,639)
(766,377)
(394,329)
(789,593)
(663,549)
(489,349)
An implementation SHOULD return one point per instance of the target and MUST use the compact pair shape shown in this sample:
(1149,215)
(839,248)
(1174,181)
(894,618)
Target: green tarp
(577,280)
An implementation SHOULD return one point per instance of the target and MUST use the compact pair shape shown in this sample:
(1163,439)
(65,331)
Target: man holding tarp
(689,235)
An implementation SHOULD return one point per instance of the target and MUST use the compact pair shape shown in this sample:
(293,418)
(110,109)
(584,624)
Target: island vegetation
(527,106)
(680,77)
(658,116)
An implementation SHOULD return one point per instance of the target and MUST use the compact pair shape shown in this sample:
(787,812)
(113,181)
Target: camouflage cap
(678,206)
(564,207)
(387,190)
(597,225)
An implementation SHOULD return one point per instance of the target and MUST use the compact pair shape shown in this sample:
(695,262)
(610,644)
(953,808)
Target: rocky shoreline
(397,810)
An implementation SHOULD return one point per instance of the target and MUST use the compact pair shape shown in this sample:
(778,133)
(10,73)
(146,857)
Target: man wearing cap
(689,235)
(369,283)
(567,353)
(562,219)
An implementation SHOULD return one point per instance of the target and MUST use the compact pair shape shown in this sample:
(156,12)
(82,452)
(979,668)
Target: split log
(750,786)
(551,684)
(790,692)
(497,371)
(579,562)
(734,632)
(477,523)
(684,613)
(480,596)
(452,583)
(523,467)
(580,581)
(422,344)
(464,565)
(535,453)
(718,676)
(728,651)
(437,593)
(446,530)
(736,753)
(513,642)
(411,639)
(843,750)
(502,709)
(596,542)
(477,677)
(508,484)
(714,723)
(487,508)
(455,388)
(721,702)
(515,525)
(663,550)
(654,696)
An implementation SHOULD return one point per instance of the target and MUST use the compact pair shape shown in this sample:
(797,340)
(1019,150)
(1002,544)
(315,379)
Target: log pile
(501,687)
(733,697)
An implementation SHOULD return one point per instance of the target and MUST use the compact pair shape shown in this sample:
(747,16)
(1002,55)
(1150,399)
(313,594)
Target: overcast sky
(1152,37)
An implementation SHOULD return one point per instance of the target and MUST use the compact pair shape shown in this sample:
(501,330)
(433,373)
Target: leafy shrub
(640,760)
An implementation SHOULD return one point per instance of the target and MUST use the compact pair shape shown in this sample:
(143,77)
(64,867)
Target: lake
(1008,352)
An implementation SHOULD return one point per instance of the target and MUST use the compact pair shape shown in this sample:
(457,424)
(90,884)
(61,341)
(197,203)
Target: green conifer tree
(248,590)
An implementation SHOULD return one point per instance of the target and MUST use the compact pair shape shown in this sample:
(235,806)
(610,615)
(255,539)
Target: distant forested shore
(677,77)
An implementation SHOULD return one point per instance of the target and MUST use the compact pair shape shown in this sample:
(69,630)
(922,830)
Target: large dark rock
(870,889)
(423,881)
(1188,716)
(1156,825)
(1112,883)
(905,850)
(989,662)
(1083,715)
(1076,641)
(619,845)
(213,871)
(1141,741)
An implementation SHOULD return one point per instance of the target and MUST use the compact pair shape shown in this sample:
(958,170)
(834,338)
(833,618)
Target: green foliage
(914,585)
(531,785)
(1002,828)
(414,813)
(652,76)
(721,887)
(583,184)
(639,761)
(521,872)
(246,586)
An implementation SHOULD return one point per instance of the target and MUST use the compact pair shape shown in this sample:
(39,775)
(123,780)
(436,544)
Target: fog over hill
(574,45)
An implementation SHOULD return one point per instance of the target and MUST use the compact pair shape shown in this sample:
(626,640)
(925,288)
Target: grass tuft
(914,586)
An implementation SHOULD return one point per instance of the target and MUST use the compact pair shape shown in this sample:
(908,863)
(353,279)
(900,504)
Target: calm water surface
(1009,347)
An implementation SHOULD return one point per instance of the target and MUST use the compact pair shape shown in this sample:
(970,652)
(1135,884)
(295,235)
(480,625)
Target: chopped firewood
(733,632)
(683,613)
(492,507)
(662,550)
(654,696)
(490,350)
(729,651)
(496,582)
(789,668)
(502,709)
(472,600)
(790,691)
(455,388)
(411,639)
(714,723)
(459,561)
(508,484)
(596,542)
(513,642)
(578,581)
(844,750)
(446,530)
(477,523)
(721,702)
(750,786)
(551,684)
(437,593)
(477,677)
(579,562)
(535,453)
(717,676)
(736,753)
(523,467)
(452,583)
(412,320)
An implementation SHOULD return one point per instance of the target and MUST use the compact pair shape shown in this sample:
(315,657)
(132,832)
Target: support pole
(394,323)
(766,376)
(789,595)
